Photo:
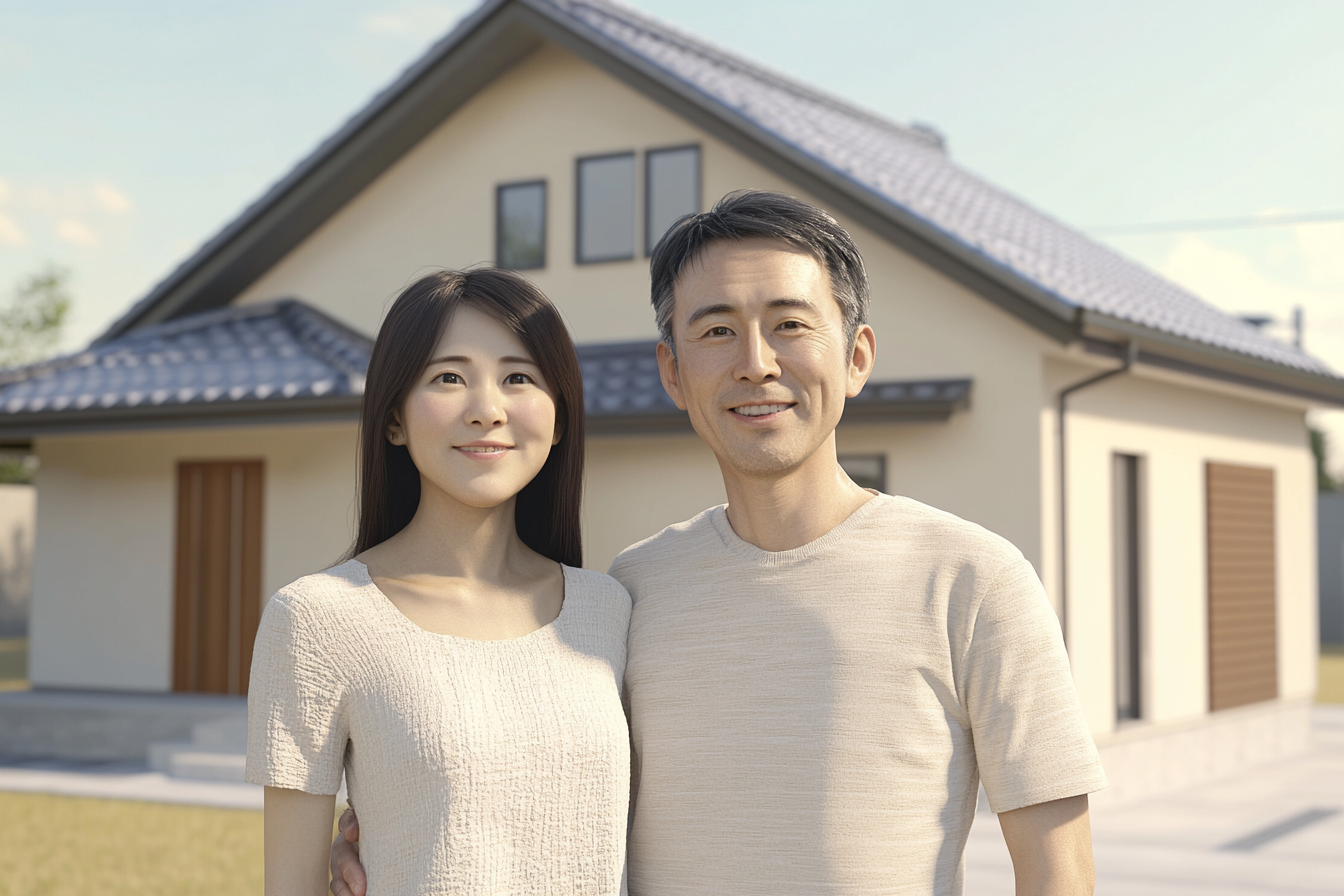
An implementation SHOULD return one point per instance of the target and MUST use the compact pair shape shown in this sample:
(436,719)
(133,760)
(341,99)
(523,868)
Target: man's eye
(518,379)
(790,325)
(448,379)
(719,331)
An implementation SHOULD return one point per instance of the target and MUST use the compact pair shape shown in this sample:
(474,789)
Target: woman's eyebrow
(463,359)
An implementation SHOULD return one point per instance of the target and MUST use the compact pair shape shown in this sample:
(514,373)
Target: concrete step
(227,735)
(217,751)
(196,765)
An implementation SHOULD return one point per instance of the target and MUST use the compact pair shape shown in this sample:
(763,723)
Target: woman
(460,667)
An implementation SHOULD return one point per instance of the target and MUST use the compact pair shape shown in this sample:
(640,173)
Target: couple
(818,676)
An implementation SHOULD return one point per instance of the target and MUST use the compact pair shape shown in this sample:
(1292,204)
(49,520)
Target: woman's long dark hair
(547,509)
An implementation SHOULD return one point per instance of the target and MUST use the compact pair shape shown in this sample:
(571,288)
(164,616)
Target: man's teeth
(760,410)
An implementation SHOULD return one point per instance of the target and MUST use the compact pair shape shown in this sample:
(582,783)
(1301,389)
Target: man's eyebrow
(463,359)
(729,309)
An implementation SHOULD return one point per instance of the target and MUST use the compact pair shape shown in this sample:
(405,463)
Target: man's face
(762,363)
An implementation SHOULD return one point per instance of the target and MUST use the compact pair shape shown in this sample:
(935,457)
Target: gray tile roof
(622,393)
(247,353)
(909,169)
(285,354)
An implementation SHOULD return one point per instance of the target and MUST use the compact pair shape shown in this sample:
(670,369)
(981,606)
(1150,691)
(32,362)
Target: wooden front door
(218,576)
(1243,633)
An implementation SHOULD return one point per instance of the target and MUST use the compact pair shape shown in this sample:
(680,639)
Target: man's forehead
(742,266)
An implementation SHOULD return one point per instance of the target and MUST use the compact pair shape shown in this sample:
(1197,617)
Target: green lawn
(71,846)
(13,664)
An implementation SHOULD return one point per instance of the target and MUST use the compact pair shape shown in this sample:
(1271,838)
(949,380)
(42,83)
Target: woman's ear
(559,431)
(396,432)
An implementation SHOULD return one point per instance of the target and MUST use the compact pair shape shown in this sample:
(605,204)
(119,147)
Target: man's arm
(1051,846)
(296,829)
(347,874)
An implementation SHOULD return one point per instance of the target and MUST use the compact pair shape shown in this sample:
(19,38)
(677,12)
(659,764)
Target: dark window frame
(499,220)
(649,239)
(578,206)
(1128,612)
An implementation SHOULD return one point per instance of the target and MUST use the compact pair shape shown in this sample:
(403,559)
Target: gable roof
(286,361)
(895,180)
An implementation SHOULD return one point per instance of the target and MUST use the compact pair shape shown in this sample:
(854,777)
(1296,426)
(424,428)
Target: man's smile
(761,410)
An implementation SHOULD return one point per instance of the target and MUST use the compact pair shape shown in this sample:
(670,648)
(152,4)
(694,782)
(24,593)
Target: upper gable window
(606,208)
(672,190)
(520,225)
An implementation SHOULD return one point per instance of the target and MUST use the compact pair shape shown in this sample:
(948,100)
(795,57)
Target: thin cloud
(415,20)
(76,233)
(110,199)
(11,234)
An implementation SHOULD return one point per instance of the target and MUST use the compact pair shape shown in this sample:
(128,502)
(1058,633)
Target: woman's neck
(449,539)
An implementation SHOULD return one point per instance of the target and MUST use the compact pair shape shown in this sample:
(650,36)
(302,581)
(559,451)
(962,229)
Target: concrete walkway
(1273,829)
(123,781)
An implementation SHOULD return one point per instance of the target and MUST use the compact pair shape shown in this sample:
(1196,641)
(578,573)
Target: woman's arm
(298,826)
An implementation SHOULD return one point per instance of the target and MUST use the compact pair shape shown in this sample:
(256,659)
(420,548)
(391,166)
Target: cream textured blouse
(475,766)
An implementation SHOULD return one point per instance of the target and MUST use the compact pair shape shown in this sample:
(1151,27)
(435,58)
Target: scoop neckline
(743,548)
(386,602)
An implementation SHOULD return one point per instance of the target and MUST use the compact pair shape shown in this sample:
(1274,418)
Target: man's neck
(786,511)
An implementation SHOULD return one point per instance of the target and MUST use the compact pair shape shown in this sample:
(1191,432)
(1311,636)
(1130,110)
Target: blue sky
(131,132)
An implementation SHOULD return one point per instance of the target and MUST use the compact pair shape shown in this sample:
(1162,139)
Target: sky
(130,133)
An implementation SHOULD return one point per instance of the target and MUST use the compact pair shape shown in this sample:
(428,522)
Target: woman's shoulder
(596,588)
(331,593)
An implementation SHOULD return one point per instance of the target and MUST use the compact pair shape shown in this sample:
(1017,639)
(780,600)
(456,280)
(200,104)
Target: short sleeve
(1032,744)
(296,709)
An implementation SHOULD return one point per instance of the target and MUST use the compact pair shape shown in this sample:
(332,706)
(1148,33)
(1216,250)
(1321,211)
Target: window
(1127,569)
(671,190)
(520,226)
(606,208)
(1243,652)
(867,470)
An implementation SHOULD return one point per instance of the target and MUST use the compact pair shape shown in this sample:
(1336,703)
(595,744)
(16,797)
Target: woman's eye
(448,378)
(518,379)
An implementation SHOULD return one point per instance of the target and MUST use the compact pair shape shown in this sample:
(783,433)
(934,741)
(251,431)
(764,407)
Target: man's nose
(759,361)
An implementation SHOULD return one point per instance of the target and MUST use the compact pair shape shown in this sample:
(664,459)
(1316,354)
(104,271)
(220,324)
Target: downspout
(1131,355)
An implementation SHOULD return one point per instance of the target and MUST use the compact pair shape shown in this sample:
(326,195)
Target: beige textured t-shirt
(476,766)
(816,721)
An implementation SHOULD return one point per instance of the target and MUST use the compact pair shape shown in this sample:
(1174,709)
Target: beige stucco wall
(1175,430)
(435,208)
(103,580)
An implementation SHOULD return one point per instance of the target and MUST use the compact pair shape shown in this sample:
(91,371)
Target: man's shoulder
(672,543)
(909,525)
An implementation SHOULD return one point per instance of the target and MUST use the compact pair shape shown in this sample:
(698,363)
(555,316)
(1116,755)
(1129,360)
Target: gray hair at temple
(749,214)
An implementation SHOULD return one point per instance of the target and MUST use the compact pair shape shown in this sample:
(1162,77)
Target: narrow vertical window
(866,470)
(672,190)
(1128,597)
(520,226)
(606,208)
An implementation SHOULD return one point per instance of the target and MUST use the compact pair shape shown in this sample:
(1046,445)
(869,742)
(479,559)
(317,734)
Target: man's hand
(1051,846)
(347,874)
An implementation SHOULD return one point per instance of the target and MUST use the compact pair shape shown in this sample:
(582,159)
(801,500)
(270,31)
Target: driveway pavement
(1273,829)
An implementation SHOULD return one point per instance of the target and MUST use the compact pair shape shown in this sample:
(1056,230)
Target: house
(1146,452)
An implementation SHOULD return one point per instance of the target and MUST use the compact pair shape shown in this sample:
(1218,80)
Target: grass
(72,846)
(13,664)
(1330,684)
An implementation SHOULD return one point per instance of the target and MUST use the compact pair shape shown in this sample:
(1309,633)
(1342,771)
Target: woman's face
(480,421)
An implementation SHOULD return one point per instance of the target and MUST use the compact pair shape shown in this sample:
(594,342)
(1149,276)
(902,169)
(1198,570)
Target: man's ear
(670,375)
(396,430)
(861,360)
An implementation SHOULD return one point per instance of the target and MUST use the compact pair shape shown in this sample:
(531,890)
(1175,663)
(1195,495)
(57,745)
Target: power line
(1250,221)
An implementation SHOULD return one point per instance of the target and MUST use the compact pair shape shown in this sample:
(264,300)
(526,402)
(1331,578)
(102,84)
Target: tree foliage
(33,321)
(1320,447)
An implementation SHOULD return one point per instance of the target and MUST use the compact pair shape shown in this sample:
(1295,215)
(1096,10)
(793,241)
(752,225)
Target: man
(820,676)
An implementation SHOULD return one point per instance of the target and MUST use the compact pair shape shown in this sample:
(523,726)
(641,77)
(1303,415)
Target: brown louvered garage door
(1243,657)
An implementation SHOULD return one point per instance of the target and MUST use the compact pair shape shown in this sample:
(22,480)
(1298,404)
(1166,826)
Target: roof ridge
(659,29)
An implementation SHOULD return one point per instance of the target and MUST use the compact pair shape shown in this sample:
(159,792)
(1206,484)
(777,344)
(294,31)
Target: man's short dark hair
(747,214)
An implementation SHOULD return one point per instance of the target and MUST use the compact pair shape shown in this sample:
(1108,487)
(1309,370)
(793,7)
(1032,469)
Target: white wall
(103,582)
(1176,430)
